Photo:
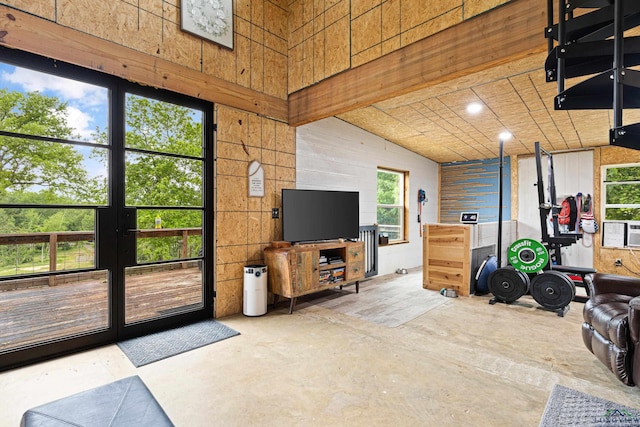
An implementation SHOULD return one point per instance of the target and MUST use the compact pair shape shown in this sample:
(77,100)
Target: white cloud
(64,89)
(80,122)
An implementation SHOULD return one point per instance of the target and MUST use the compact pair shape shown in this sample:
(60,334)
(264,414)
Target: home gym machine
(536,267)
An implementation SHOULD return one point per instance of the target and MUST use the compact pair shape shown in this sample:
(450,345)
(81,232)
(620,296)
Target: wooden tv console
(301,269)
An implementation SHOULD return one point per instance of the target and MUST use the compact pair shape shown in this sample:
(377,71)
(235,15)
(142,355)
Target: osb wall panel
(604,258)
(328,37)
(258,60)
(43,8)
(244,226)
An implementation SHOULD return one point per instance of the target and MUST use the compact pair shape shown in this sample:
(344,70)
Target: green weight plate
(528,255)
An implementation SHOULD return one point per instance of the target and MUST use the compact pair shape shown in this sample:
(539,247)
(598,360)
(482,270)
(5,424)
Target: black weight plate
(552,289)
(508,284)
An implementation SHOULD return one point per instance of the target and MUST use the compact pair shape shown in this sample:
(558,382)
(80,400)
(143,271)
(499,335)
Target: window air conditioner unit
(633,236)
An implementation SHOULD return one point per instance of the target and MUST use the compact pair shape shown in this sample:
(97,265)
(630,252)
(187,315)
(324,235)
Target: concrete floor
(462,363)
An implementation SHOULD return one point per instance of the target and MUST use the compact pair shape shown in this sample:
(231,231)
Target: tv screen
(309,215)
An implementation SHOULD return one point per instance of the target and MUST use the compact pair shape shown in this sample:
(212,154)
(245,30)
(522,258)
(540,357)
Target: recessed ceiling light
(474,108)
(505,135)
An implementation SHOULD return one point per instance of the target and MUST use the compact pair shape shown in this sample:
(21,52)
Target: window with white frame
(391,204)
(621,192)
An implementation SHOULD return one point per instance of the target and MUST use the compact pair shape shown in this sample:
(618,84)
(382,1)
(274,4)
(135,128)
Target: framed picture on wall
(209,19)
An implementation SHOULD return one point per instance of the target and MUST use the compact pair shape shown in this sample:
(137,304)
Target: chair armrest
(634,320)
(604,283)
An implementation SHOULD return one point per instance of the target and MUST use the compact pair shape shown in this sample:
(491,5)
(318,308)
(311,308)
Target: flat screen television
(309,215)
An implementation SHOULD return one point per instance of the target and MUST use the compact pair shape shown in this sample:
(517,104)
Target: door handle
(129,235)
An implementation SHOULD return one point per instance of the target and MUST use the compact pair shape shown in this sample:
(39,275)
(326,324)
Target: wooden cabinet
(446,251)
(296,270)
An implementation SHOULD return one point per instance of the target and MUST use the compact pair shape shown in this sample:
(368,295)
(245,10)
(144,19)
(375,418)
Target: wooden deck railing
(53,238)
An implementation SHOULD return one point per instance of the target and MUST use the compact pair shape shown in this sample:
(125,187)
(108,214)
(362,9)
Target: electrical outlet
(618,262)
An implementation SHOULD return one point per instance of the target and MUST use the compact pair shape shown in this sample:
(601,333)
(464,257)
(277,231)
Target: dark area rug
(568,407)
(160,345)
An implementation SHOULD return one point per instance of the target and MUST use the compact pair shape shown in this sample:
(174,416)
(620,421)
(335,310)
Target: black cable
(630,270)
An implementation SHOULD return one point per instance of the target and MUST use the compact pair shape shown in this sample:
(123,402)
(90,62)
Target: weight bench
(127,402)
(583,272)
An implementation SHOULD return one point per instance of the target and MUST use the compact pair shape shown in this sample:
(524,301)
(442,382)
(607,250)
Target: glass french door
(105,209)
(164,216)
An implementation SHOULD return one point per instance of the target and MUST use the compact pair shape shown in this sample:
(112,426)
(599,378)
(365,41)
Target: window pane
(390,222)
(623,194)
(43,240)
(160,126)
(156,180)
(622,214)
(34,311)
(168,234)
(630,173)
(162,290)
(389,188)
(41,104)
(41,172)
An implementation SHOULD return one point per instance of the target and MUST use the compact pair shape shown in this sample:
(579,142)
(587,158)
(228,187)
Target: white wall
(573,173)
(334,155)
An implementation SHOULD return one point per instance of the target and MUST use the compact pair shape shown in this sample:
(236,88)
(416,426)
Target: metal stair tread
(582,59)
(596,93)
(602,18)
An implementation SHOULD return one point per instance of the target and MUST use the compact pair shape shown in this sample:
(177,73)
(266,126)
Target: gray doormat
(568,407)
(160,345)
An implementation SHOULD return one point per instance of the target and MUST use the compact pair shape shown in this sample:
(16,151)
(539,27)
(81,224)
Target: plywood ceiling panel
(434,122)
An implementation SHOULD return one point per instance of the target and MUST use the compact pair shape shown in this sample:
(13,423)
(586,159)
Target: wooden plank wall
(473,187)
(447,257)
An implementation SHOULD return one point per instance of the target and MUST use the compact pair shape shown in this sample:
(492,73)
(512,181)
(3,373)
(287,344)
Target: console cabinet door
(306,272)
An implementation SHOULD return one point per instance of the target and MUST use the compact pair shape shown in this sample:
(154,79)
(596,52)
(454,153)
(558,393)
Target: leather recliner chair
(611,328)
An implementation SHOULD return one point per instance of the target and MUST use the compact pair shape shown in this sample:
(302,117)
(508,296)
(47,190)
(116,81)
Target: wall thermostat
(469,217)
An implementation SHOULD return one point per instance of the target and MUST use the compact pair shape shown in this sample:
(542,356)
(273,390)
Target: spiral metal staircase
(589,40)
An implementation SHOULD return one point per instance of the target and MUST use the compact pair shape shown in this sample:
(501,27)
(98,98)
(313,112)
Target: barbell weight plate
(552,289)
(528,255)
(507,284)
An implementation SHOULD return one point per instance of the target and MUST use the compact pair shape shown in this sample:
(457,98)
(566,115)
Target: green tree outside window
(390,204)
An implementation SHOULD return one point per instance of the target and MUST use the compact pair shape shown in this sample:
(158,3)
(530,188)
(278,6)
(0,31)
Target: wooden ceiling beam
(19,30)
(502,35)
